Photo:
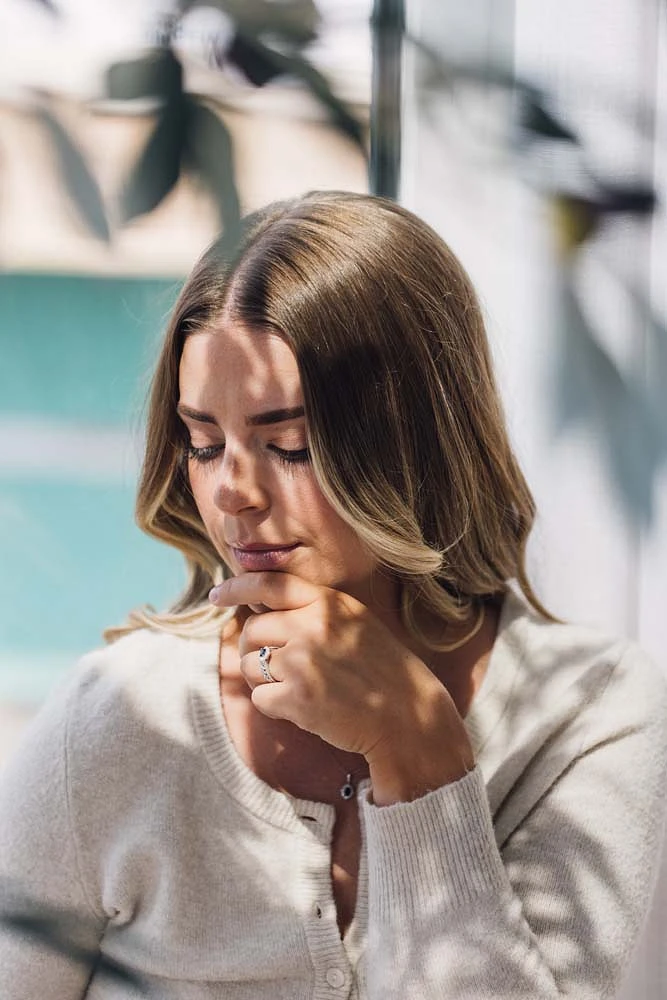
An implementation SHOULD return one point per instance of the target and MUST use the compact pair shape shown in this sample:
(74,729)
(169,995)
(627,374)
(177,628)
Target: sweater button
(335,978)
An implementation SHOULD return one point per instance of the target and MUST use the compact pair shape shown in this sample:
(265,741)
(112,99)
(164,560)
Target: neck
(460,670)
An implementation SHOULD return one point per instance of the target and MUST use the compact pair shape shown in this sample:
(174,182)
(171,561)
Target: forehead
(233,361)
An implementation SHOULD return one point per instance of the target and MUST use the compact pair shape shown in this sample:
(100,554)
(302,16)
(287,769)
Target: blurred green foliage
(189,135)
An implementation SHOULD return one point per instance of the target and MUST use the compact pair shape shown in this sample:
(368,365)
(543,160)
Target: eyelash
(284,456)
(203,455)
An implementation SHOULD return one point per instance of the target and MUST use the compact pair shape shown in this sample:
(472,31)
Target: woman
(364,766)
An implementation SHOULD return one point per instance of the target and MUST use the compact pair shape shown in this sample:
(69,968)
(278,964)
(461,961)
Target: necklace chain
(348,789)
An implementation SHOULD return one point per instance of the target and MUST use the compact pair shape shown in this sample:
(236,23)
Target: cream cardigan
(185,876)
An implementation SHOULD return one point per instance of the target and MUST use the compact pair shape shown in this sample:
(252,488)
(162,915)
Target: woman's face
(249,468)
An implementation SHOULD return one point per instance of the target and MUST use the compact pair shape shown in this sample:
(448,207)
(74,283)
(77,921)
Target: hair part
(405,426)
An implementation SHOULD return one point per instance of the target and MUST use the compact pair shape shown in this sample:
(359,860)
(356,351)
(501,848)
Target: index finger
(277,591)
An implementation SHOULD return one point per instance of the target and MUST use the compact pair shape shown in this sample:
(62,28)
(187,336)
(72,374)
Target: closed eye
(298,457)
(206,454)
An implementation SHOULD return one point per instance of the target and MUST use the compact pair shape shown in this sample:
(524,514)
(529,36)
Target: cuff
(441,846)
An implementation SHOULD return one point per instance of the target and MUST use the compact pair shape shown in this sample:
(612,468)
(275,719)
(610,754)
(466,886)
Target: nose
(238,488)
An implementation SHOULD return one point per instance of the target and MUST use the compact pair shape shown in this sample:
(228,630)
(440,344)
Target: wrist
(393,781)
(420,758)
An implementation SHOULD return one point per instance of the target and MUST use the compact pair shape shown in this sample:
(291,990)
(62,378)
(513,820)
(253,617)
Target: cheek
(306,500)
(294,490)
(331,533)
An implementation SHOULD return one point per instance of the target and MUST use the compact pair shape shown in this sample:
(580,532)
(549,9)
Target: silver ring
(264,657)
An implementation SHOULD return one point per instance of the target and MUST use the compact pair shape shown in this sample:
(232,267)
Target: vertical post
(387,26)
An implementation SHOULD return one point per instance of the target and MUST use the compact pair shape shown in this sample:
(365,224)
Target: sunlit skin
(346,670)
(253,491)
(348,675)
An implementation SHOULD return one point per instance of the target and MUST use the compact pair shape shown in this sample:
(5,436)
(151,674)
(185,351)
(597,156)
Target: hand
(343,675)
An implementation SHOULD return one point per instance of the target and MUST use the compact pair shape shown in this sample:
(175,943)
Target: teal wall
(75,356)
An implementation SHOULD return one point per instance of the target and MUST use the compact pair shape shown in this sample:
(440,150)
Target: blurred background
(130,134)
(533,137)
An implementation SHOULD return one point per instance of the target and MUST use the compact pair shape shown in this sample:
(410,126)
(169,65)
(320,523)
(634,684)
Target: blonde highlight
(406,430)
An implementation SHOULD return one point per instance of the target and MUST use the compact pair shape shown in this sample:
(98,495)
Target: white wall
(605,62)
(591,559)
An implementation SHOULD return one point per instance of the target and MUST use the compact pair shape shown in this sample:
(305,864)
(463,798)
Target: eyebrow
(255,420)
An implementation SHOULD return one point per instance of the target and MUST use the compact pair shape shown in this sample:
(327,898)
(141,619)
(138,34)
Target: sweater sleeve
(553,911)
(49,930)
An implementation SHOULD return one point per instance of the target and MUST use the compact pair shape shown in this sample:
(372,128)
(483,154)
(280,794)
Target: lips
(255,556)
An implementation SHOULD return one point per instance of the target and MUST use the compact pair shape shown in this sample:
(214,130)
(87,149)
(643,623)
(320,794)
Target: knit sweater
(168,869)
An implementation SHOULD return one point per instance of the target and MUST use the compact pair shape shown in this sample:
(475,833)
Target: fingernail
(215,594)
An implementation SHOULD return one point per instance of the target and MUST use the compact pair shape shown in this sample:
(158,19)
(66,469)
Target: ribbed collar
(237,779)
(283,810)
(255,795)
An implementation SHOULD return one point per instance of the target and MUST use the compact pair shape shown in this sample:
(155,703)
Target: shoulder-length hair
(404,422)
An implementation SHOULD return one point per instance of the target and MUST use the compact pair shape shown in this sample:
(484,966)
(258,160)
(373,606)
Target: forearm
(443,918)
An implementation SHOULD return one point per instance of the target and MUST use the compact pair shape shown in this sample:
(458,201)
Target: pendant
(347,790)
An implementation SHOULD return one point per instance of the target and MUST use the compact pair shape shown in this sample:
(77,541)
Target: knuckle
(300,674)
(336,606)
(249,625)
(348,605)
